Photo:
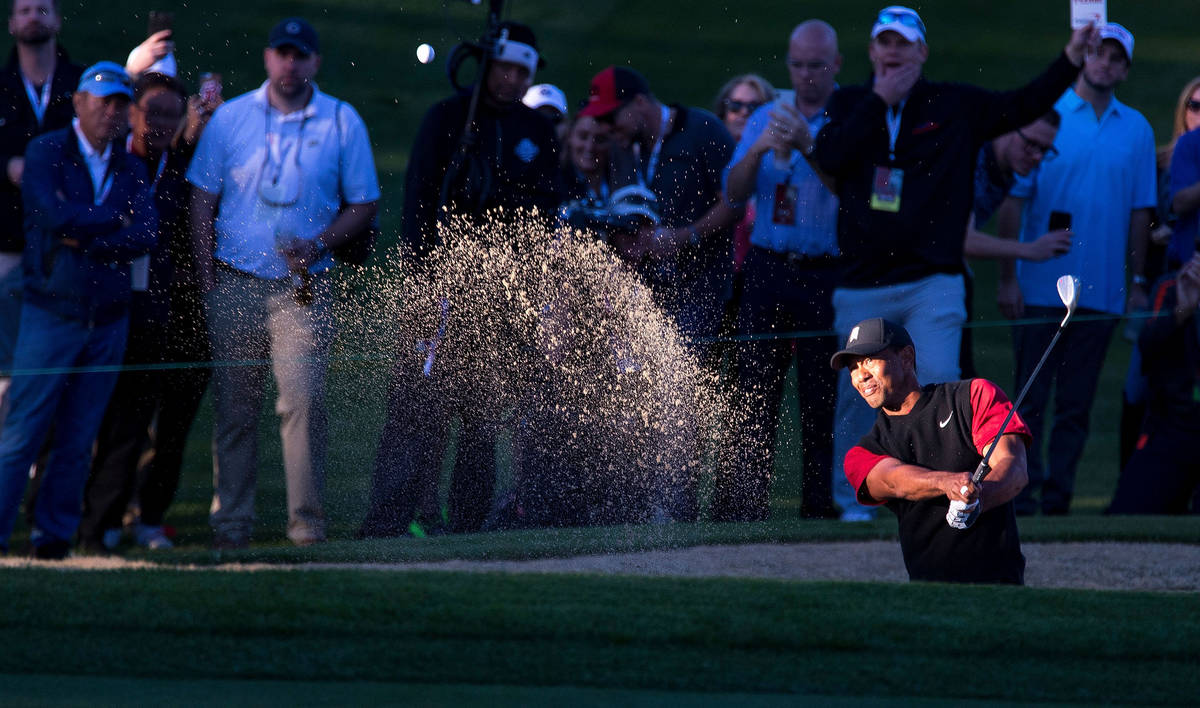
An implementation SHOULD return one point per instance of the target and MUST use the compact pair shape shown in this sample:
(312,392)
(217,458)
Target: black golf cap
(294,32)
(871,337)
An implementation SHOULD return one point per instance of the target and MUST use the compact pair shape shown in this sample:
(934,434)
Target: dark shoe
(93,547)
(821,512)
(229,542)
(52,549)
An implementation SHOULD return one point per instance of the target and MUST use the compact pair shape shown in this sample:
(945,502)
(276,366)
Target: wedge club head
(1068,292)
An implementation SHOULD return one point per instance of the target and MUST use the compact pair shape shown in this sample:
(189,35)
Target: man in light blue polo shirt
(790,272)
(1103,177)
(283,175)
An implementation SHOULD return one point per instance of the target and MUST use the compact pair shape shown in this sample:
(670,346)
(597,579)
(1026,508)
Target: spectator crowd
(150,230)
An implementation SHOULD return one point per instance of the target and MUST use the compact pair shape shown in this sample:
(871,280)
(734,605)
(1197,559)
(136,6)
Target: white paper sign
(1085,11)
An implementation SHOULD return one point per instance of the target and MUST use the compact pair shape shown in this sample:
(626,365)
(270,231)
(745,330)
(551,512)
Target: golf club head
(1068,292)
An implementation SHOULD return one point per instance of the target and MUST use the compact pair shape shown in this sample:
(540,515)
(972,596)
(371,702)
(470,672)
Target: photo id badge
(785,205)
(886,194)
(1085,11)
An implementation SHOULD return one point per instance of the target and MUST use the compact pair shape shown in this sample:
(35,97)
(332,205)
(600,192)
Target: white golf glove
(961,514)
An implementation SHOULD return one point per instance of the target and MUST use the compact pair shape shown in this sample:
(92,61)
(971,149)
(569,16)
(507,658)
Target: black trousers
(1072,372)
(781,295)
(404,481)
(139,449)
(1163,474)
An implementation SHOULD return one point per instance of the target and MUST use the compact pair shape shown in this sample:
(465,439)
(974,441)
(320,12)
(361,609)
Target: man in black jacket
(902,151)
(511,164)
(35,98)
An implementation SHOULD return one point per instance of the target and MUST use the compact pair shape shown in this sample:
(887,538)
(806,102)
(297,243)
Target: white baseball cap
(899,19)
(546,95)
(1122,36)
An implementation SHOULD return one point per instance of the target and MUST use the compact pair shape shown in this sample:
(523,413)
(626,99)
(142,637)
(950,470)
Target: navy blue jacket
(18,126)
(90,281)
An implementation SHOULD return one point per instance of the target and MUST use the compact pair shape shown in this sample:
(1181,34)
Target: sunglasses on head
(732,106)
(1193,106)
(888,17)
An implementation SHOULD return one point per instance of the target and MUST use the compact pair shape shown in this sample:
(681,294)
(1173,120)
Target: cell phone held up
(158,21)
(1060,221)
(210,88)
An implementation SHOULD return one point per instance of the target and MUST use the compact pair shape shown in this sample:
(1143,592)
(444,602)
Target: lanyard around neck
(268,159)
(162,163)
(893,125)
(39,102)
(652,163)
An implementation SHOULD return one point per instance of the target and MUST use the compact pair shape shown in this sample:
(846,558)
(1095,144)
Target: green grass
(848,639)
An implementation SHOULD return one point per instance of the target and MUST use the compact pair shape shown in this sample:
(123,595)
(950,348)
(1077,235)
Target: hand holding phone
(159,21)
(1060,221)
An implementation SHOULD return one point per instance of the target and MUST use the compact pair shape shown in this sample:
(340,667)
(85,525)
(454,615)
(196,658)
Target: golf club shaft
(982,470)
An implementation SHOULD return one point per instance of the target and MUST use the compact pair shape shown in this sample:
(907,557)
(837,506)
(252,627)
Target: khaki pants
(251,320)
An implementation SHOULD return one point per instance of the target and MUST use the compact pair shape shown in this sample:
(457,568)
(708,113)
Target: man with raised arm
(902,151)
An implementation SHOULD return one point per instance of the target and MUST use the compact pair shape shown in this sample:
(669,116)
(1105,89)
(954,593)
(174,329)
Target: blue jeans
(72,401)
(932,310)
(10,320)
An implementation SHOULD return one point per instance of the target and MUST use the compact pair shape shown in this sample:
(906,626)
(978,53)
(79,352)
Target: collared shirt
(1103,171)
(815,230)
(1185,172)
(991,184)
(97,163)
(247,141)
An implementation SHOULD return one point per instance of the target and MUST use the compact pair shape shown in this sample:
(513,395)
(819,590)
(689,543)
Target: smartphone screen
(1060,220)
(159,21)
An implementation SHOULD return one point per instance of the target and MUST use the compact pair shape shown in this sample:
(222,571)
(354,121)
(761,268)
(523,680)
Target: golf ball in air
(425,53)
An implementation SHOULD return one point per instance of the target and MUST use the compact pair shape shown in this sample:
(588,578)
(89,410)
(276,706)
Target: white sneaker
(152,537)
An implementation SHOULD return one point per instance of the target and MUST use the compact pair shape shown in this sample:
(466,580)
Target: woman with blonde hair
(738,98)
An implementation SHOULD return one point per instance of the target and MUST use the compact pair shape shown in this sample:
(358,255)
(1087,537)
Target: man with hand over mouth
(902,150)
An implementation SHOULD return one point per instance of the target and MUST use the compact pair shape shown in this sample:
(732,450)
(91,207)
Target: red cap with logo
(613,88)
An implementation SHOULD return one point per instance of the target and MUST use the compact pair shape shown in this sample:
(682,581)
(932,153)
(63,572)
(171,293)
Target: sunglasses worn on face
(1193,106)
(1047,151)
(732,106)
(888,17)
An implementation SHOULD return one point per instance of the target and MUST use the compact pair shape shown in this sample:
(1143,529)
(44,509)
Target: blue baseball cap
(106,78)
(294,32)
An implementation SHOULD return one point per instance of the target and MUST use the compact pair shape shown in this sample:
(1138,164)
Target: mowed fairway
(720,635)
(183,636)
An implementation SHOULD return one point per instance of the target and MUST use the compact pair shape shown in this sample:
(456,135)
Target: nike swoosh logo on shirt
(944,423)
